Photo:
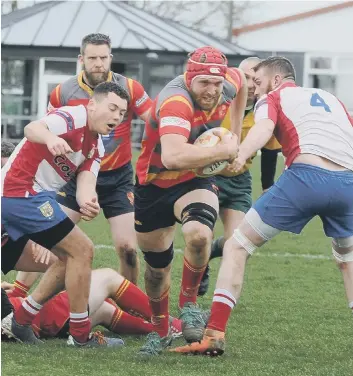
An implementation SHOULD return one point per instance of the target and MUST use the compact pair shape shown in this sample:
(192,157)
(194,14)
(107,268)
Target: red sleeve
(349,116)
(140,101)
(267,107)
(175,116)
(54,99)
(234,77)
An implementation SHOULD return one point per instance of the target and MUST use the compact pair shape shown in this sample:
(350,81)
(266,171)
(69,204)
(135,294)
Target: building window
(57,67)
(331,73)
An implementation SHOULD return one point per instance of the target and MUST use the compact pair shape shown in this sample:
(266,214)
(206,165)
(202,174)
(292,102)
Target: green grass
(291,320)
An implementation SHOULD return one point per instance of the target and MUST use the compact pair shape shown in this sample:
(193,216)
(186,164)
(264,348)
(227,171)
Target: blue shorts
(304,191)
(29,215)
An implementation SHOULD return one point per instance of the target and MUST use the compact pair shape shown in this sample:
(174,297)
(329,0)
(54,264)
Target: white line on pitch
(284,255)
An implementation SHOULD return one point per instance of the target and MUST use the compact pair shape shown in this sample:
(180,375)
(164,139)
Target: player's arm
(41,132)
(174,129)
(238,105)
(55,100)
(86,195)
(141,102)
(265,121)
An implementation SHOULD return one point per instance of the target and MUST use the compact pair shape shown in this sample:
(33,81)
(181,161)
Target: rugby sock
(222,304)
(123,323)
(217,248)
(27,311)
(20,290)
(131,299)
(80,326)
(351,306)
(190,283)
(160,313)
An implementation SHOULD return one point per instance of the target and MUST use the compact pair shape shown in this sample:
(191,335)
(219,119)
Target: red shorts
(52,317)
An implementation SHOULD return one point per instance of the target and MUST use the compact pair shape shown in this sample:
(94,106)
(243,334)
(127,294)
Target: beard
(95,78)
(205,106)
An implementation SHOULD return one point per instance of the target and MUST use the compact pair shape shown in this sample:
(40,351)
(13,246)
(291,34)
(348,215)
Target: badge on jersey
(91,153)
(47,210)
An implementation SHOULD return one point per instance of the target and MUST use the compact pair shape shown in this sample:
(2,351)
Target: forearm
(257,137)
(237,109)
(86,185)
(194,156)
(37,132)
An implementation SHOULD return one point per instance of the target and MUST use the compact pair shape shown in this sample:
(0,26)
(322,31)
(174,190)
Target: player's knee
(87,251)
(243,242)
(342,250)
(159,260)
(197,237)
(128,254)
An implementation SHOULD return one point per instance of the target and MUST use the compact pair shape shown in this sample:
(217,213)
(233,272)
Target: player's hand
(237,164)
(90,209)
(58,146)
(8,287)
(230,142)
(40,254)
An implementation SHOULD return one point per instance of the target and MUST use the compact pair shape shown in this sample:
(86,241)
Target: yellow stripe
(166,175)
(86,87)
(57,93)
(177,98)
(131,88)
(232,81)
(121,289)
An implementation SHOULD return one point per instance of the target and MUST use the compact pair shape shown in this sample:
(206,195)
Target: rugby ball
(209,139)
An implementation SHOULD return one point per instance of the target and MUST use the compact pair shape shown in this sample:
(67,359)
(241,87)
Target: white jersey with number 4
(309,121)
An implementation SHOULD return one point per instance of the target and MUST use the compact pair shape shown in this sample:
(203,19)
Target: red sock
(132,300)
(20,290)
(222,305)
(80,326)
(160,314)
(190,283)
(27,311)
(123,323)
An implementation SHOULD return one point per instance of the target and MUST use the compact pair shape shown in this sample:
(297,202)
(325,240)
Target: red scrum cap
(205,61)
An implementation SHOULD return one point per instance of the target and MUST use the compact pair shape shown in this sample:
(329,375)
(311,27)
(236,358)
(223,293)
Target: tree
(214,17)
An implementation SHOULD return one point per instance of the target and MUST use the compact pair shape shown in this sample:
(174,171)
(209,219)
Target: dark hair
(278,64)
(6,149)
(111,87)
(96,39)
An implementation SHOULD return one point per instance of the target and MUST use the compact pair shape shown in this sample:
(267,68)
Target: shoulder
(74,116)
(175,92)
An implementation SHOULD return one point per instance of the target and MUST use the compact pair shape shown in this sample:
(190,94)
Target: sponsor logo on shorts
(138,222)
(60,161)
(47,210)
(130,197)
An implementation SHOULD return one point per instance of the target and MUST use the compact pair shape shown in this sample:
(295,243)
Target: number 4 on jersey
(317,101)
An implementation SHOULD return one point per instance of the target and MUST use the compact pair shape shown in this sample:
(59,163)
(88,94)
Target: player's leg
(124,238)
(25,280)
(342,249)
(338,224)
(197,211)
(120,322)
(108,283)
(116,198)
(287,206)
(155,229)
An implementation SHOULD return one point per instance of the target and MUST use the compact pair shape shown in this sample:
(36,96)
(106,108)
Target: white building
(319,41)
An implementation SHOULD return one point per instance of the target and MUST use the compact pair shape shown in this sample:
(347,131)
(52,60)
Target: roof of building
(294,17)
(65,23)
